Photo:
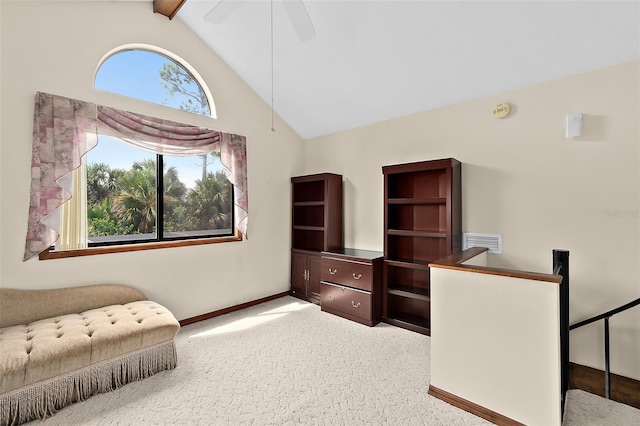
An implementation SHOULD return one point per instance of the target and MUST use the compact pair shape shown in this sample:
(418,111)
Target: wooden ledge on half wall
(456,261)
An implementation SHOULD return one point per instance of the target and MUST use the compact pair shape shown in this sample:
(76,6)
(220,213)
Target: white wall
(56,47)
(521,178)
(476,352)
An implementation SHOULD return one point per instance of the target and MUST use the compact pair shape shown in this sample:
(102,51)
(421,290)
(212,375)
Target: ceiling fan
(295,9)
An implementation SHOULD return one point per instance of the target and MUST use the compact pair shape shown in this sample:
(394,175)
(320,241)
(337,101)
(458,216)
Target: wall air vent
(491,241)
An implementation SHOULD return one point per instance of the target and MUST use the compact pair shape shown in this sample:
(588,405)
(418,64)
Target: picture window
(130,196)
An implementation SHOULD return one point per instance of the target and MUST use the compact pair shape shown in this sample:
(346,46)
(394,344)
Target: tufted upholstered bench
(62,346)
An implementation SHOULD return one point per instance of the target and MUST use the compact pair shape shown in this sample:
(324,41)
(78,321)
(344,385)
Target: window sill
(52,254)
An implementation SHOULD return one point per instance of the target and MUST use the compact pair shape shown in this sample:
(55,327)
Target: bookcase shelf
(417,234)
(407,264)
(309,228)
(416,323)
(422,223)
(410,292)
(309,204)
(417,201)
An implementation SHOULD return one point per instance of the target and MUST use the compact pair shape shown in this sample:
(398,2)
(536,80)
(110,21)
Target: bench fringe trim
(47,397)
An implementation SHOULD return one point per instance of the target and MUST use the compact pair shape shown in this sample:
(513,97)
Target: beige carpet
(287,363)
(586,409)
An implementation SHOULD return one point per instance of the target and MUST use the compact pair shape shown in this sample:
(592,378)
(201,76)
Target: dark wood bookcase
(422,223)
(316,227)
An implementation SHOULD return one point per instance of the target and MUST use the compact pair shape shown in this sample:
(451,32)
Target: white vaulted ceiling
(375,60)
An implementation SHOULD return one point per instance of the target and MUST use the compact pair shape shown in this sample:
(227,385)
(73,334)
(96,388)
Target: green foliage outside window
(123,202)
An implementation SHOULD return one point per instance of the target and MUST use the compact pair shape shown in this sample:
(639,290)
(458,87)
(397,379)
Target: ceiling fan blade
(221,11)
(300,19)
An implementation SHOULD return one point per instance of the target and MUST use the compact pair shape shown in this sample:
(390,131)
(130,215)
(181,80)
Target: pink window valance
(65,129)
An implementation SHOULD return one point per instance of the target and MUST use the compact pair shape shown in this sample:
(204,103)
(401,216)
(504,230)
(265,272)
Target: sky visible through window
(136,73)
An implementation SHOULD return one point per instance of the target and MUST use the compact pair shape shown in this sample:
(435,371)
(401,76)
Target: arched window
(135,196)
(154,75)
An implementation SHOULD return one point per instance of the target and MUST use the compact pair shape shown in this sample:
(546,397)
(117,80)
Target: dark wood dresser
(351,284)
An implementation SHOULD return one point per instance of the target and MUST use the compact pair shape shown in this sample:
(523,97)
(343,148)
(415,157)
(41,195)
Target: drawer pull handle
(354,304)
(357,277)
(332,271)
(331,297)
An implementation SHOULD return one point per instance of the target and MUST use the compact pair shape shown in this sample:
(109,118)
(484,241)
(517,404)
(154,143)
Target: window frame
(160,241)
(213,113)
(91,251)
(160,232)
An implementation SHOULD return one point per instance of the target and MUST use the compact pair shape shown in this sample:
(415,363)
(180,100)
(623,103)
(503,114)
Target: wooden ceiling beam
(168,8)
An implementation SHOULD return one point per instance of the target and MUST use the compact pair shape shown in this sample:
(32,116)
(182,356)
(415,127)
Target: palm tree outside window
(134,196)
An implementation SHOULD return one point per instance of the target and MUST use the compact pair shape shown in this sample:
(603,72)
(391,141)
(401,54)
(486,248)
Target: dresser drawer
(352,274)
(347,302)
